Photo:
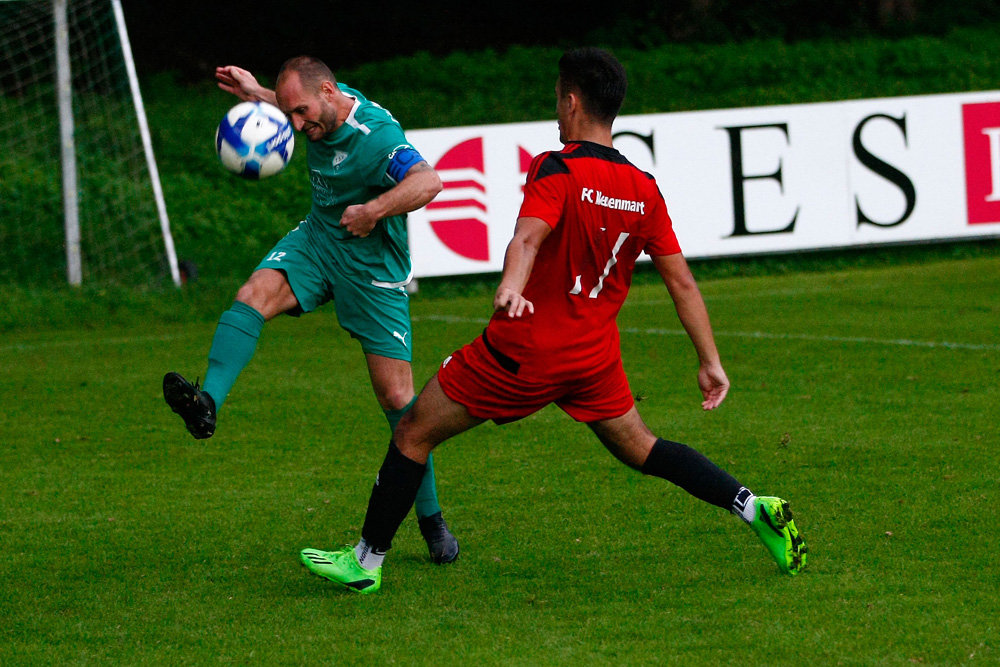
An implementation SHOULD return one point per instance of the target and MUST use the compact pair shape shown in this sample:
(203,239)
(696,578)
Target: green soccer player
(351,249)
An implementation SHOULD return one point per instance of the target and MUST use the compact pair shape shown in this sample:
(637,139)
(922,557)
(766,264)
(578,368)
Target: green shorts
(377,315)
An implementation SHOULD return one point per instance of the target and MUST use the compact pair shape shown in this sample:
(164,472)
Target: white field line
(744,296)
(824,339)
(49,344)
(28,347)
(756,334)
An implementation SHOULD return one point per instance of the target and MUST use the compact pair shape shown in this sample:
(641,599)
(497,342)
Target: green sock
(232,348)
(393,416)
(427,499)
(426,503)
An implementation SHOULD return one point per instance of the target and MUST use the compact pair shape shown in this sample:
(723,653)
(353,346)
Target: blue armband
(400,162)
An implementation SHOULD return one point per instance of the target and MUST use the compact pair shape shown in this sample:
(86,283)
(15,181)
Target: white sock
(745,505)
(367,556)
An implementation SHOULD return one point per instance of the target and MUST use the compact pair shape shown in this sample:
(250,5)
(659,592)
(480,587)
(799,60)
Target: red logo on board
(458,214)
(524,158)
(981,123)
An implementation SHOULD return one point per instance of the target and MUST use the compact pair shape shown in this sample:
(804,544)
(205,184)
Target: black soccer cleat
(440,542)
(195,407)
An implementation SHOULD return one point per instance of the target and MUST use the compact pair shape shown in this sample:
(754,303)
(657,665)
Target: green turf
(868,398)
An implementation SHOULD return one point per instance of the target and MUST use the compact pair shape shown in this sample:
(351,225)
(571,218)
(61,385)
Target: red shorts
(478,378)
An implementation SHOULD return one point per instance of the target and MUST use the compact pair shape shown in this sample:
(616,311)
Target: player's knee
(409,441)
(403,435)
(269,295)
(631,446)
(251,294)
(395,397)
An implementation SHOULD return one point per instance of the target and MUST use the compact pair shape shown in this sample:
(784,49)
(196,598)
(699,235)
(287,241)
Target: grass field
(868,398)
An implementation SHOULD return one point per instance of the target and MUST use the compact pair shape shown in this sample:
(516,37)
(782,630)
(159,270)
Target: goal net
(80,199)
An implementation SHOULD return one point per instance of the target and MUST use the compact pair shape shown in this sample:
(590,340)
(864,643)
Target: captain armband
(401,160)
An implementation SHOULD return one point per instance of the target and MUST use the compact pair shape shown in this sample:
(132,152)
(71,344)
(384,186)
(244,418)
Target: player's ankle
(745,505)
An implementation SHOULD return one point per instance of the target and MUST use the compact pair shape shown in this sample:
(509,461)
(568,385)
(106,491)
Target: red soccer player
(586,216)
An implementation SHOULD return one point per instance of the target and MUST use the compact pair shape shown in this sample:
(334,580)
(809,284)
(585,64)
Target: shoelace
(206,412)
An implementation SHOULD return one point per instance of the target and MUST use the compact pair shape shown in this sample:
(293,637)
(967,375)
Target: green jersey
(348,167)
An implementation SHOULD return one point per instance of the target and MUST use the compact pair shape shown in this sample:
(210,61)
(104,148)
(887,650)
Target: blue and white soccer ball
(254,140)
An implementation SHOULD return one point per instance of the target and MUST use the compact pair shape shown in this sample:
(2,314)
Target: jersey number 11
(578,287)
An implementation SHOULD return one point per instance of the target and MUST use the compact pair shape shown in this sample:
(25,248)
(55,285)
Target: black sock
(692,471)
(392,497)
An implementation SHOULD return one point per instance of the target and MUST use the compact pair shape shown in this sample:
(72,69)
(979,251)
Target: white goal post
(70,61)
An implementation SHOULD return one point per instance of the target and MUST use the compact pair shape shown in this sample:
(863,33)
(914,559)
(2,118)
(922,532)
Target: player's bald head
(312,72)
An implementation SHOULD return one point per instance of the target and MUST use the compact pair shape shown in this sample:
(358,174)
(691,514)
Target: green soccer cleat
(775,528)
(343,568)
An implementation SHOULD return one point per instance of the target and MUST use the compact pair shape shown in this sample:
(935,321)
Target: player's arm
(517,264)
(417,188)
(694,317)
(243,85)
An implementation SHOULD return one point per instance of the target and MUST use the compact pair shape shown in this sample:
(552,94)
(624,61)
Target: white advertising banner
(742,181)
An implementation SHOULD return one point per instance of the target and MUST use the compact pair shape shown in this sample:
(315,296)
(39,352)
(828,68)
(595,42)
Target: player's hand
(714,385)
(358,220)
(239,82)
(511,301)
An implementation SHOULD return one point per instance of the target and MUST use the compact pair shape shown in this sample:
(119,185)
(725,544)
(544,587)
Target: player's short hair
(312,72)
(598,78)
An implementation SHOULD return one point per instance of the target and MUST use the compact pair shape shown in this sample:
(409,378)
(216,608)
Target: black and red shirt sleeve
(545,189)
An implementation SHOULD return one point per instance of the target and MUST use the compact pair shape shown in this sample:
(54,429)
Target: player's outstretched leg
(195,407)
(691,470)
(342,567)
(776,529)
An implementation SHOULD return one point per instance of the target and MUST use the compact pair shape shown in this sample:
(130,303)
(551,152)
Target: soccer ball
(254,140)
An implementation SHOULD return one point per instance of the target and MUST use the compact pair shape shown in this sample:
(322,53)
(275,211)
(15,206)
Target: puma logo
(402,338)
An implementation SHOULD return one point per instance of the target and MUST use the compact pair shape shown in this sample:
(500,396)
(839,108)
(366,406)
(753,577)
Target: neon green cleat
(343,568)
(775,528)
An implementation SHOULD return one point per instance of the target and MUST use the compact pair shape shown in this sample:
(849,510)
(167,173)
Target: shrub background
(225,225)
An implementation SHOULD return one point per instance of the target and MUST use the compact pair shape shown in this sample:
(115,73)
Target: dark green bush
(224,225)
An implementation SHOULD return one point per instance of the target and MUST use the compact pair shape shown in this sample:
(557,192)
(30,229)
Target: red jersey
(603,212)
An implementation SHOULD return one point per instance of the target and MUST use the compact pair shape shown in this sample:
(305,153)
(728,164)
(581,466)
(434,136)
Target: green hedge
(517,85)
(224,225)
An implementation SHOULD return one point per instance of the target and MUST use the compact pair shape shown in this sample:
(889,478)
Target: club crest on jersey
(338,157)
